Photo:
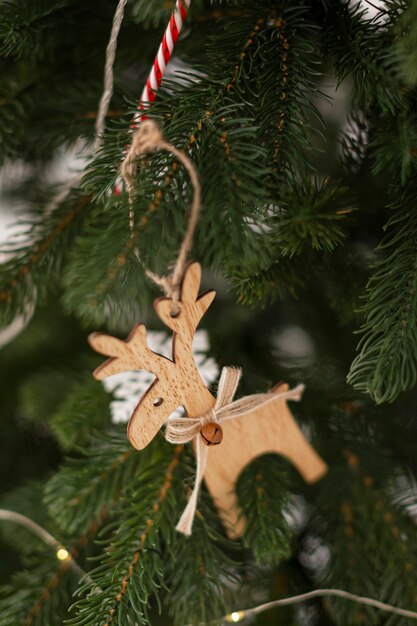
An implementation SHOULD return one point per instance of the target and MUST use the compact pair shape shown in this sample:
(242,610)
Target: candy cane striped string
(162,58)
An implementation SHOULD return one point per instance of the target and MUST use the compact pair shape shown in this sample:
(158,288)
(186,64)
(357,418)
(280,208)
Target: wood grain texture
(178,381)
(271,428)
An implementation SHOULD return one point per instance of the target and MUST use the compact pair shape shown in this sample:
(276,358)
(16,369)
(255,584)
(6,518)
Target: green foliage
(295,196)
(41,592)
(202,566)
(309,217)
(103,275)
(72,404)
(19,599)
(361,524)
(144,494)
(23,25)
(223,119)
(362,52)
(115,591)
(48,115)
(9,112)
(80,491)
(26,500)
(39,251)
(132,570)
(86,407)
(406,44)
(268,281)
(156,13)
(42,393)
(386,362)
(394,146)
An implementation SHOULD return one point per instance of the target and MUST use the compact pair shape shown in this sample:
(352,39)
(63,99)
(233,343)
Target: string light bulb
(235,617)
(62,554)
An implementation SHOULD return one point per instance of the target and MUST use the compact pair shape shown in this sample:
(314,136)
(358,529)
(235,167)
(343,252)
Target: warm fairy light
(234,617)
(62,554)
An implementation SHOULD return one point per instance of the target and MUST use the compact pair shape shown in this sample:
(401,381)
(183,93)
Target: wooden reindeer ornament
(247,430)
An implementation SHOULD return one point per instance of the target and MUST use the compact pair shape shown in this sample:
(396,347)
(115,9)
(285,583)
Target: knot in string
(146,139)
(166,283)
(180,430)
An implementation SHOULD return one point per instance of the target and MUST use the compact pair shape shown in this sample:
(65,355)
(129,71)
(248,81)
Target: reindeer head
(178,382)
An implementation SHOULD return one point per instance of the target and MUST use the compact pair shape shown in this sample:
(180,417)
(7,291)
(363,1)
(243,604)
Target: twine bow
(184,429)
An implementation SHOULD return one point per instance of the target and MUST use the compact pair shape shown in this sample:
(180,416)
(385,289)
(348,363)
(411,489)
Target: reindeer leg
(221,478)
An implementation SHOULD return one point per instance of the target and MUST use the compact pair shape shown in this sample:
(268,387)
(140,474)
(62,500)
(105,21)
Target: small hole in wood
(175,312)
(158,401)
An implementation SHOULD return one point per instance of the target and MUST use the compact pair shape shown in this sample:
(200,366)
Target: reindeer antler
(132,354)
(183,316)
(178,381)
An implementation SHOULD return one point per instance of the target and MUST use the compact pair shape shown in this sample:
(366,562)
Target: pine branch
(23,276)
(370,526)
(71,403)
(10,111)
(80,489)
(267,77)
(286,91)
(386,363)
(307,219)
(406,44)
(354,144)
(224,112)
(85,408)
(23,26)
(309,216)
(49,602)
(103,276)
(157,12)
(46,588)
(267,283)
(131,572)
(47,112)
(48,582)
(363,52)
(201,567)
(394,146)
(26,500)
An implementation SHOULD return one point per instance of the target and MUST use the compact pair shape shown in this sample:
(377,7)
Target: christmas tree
(300,120)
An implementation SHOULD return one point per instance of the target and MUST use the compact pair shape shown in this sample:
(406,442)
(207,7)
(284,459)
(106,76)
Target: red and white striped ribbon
(162,58)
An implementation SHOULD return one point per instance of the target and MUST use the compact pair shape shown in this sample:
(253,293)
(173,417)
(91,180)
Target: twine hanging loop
(146,139)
